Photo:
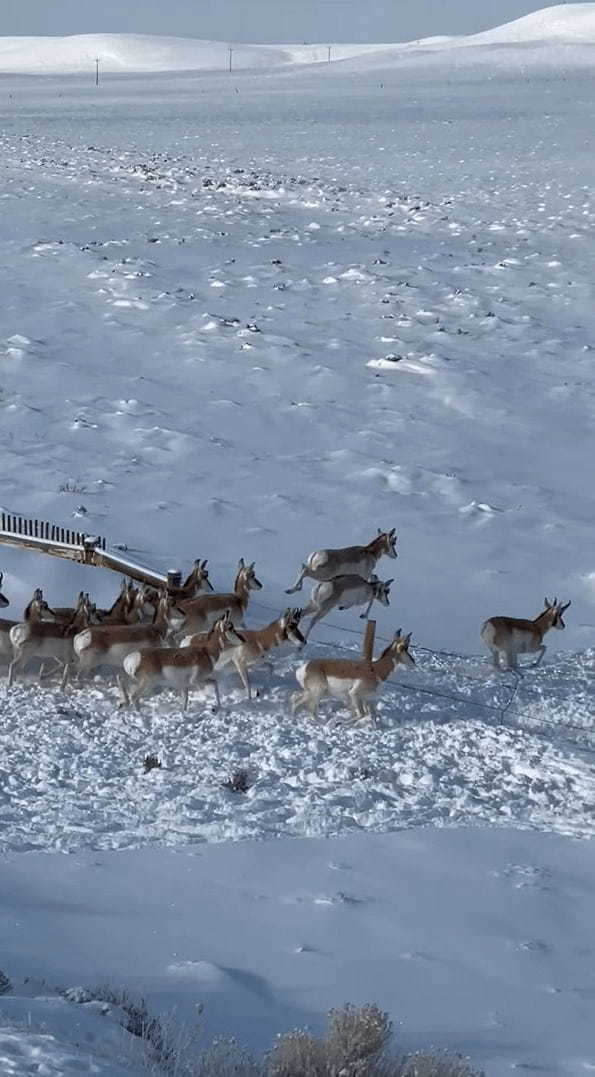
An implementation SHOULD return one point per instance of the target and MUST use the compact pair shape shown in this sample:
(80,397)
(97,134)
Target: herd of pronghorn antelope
(184,635)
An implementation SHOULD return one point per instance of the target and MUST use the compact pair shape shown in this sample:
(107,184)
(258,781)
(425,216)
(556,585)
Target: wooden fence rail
(43,537)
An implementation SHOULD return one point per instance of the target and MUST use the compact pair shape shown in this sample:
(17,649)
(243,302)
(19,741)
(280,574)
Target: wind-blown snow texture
(257,315)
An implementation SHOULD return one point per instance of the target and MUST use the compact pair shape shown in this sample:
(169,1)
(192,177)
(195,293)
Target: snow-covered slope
(257,316)
(481,942)
(138,52)
(568,23)
(557,25)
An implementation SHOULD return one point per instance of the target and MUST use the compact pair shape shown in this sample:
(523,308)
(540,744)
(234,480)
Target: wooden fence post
(174,579)
(368,641)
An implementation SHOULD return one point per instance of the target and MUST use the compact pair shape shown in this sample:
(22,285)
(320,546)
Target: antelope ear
(393,532)
(408,639)
(252,565)
(388,583)
(297,613)
(380,532)
(241,563)
(205,563)
(398,633)
(562,610)
(548,604)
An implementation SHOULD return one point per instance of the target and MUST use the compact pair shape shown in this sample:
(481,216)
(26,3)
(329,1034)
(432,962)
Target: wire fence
(501,712)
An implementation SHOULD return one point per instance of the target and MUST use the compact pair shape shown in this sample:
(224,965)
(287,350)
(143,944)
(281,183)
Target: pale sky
(262,20)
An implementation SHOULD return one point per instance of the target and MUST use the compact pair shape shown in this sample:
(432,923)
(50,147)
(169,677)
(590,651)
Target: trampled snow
(254,316)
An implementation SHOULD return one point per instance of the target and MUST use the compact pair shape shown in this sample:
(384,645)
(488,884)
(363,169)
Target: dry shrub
(357,1038)
(225,1058)
(297,1054)
(429,1064)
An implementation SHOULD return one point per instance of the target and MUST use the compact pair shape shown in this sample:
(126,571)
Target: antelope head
(247,575)
(554,611)
(389,542)
(39,606)
(289,623)
(381,590)
(400,649)
(201,575)
(227,631)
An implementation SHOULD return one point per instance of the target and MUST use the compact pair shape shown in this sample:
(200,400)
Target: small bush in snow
(297,1054)
(78,994)
(428,1064)
(357,1037)
(5,984)
(239,782)
(151,762)
(225,1058)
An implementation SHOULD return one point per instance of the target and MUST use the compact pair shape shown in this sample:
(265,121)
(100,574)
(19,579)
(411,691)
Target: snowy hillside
(478,941)
(257,316)
(138,52)
(561,24)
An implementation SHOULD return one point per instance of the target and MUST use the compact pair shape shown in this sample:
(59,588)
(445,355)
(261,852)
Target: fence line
(31,533)
(502,711)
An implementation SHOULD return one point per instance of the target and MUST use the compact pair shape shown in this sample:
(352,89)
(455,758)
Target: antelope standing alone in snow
(507,637)
(259,642)
(181,668)
(108,645)
(48,639)
(344,592)
(202,612)
(351,561)
(354,681)
(34,611)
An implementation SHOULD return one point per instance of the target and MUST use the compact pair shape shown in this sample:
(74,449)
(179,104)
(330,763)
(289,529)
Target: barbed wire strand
(502,710)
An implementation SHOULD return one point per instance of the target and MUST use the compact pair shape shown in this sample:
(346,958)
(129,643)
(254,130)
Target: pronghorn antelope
(3,600)
(356,682)
(108,645)
(507,637)
(352,560)
(202,612)
(34,611)
(259,642)
(198,580)
(66,614)
(181,668)
(48,639)
(123,607)
(344,592)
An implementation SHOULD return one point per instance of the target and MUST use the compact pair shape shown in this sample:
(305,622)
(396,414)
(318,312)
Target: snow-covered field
(257,315)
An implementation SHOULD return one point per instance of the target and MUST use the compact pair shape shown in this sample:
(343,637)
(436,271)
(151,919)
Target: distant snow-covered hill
(560,24)
(152,53)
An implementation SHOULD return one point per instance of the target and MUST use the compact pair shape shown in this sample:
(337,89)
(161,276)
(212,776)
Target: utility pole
(230,50)
(97,71)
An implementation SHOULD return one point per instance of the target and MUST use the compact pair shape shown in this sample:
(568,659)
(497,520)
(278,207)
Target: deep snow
(256,316)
